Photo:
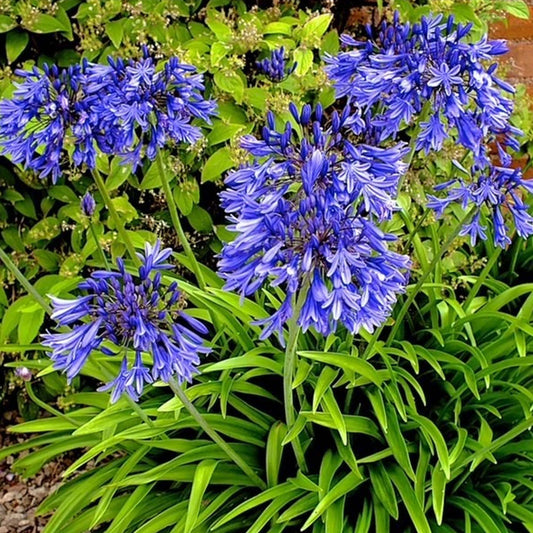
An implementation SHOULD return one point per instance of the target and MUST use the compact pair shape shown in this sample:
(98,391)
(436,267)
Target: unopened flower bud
(88,205)
(24,373)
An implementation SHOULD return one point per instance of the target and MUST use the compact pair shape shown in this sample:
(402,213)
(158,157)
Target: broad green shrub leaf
(115,31)
(200,220)
(6,23)
(16,42)
(516,8)
(12,238)
(217,164)
(304,60)
(230,82)
(316,27)
(46,229)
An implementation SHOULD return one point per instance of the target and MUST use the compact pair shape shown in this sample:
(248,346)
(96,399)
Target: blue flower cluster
(430,64)
(431,74)
(142,107)
(275,66)
(305,214)
(46,109)
(122,314)
(497,189)
(124,108)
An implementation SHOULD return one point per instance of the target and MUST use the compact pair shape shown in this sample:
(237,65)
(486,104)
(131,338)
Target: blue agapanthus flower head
(275,67)
(48,111)
(305,214)
(434,69)
(137,318)
(496,191)
(143,105)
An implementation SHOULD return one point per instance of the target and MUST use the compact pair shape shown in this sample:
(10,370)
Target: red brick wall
(519,35)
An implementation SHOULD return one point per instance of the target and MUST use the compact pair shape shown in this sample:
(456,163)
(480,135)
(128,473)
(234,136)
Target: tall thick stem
(115,216)
(30,289)
(98,245)
(176,221)
(230,452)
(288,375)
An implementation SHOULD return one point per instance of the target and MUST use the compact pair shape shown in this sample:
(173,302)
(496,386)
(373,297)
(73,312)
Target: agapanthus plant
(429,67)
(48,109)
(133,317)
(305,212)
(275,67)
(144,105)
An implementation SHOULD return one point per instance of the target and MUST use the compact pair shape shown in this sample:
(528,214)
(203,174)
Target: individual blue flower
(137,318)
(408,72)
(142,105)
(88,205)
(494,192)
(48,112)
(305,213)
(275,67)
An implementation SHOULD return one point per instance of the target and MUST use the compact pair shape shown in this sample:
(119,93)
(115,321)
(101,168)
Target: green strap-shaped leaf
(274,452)
(438,493)
(202,476)
(265,496)
(347,363)
(438,440)
(383,489)
(415,510)
(347,484)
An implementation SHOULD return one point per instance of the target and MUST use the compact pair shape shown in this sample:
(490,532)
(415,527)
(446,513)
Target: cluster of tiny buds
(6,7)
(273,13)
(248,35)
(155,200)
(197,148)
(238,155)
(154,224)
(278,101)
(65,226)
(327,6)
(72,265)
(29,13)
